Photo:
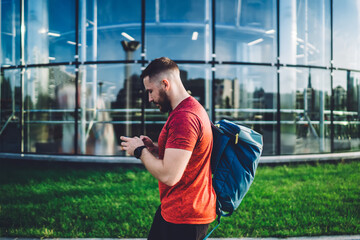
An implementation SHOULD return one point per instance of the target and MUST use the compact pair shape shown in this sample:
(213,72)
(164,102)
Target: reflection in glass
(305,32)
(104,25)
(196,80)
(49,104)
(246,31)
(110,107)
(178,29)
(49,36)
(346,33)
(346,110)
(305,110)
(10,126)
(10,32)
(247,95)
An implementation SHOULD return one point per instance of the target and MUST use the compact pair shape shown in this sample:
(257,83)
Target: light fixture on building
(42,30)
(128,36)
(299,40)
(52,58)
(255,42)
(271,31)
(73,43)
(195,36)
(54,34)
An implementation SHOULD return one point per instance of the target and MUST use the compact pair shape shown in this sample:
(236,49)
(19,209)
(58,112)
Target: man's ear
(165,83)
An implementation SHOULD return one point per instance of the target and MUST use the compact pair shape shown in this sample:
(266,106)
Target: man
(181,160)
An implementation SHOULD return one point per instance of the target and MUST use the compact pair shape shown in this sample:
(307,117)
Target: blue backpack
(234,159)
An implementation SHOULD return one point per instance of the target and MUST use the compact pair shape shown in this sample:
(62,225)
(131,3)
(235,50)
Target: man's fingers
(146,140)
(125,138)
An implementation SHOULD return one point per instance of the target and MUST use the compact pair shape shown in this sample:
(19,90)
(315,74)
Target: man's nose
(150,98)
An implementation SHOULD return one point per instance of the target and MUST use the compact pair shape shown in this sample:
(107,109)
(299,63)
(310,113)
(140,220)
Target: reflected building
(70,71)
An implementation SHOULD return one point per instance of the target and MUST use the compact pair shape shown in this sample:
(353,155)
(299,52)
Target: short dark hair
(157,66)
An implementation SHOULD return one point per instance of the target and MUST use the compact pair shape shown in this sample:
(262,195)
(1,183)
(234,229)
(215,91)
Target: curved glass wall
(70,71)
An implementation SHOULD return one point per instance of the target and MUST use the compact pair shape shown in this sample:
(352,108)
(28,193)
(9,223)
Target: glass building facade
(70,71)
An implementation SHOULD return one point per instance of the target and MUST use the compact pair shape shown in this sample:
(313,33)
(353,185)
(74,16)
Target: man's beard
(164,103)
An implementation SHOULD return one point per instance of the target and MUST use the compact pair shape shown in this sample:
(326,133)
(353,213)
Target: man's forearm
(170,169)
(154,165)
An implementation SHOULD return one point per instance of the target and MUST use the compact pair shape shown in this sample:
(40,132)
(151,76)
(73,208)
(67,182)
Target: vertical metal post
(332,104)
(306,37)
(76,137)
(2,74)
(94,58)
(1,45)
(22,75)
(207,41)
(322,91)
(212,105)
(1,81)
(83,87)
(321,122)
(278,118)
(143,55)
(129,96)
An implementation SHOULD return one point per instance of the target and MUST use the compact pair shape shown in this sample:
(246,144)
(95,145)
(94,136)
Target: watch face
(137,152)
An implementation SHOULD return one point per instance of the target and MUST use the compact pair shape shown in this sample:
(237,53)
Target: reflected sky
(180,30)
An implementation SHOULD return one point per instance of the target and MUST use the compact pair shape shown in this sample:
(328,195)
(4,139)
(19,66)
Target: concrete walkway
(347,237)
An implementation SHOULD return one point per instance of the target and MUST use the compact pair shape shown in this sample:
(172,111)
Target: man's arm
(168,170)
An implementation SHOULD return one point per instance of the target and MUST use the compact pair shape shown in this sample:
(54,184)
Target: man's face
(157,94)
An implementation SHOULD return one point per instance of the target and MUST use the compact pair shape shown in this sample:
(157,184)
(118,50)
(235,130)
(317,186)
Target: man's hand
(130,144)
(168,170)
(151,146)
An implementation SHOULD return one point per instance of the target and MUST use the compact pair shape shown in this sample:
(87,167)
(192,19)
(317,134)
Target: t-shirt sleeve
(183,131)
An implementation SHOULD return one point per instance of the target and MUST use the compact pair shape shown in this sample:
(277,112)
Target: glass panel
(346,110)
(305,32)
(107,24)
(305,110)
(49,103)
(49,36)
(185,25)
(111,99)
(247,95)
(10,32)
(10,95)
(196,79)
(347,34)
(246,30)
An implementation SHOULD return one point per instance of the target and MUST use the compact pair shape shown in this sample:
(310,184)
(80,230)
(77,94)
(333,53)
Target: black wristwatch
(138,151)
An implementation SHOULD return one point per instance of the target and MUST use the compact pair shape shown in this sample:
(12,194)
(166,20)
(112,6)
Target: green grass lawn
(78,200)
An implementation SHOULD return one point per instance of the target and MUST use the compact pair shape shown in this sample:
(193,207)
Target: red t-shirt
(192,200)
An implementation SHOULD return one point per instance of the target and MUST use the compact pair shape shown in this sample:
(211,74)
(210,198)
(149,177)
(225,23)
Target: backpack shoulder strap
(219,145)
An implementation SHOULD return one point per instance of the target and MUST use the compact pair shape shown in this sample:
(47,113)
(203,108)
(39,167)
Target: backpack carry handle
(223,213)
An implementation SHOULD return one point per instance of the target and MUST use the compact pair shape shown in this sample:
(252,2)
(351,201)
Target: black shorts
(162,230)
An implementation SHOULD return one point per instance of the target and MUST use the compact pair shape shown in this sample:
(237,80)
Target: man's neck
(178,99)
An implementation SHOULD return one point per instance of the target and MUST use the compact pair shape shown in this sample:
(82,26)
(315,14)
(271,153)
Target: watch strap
(138,151)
